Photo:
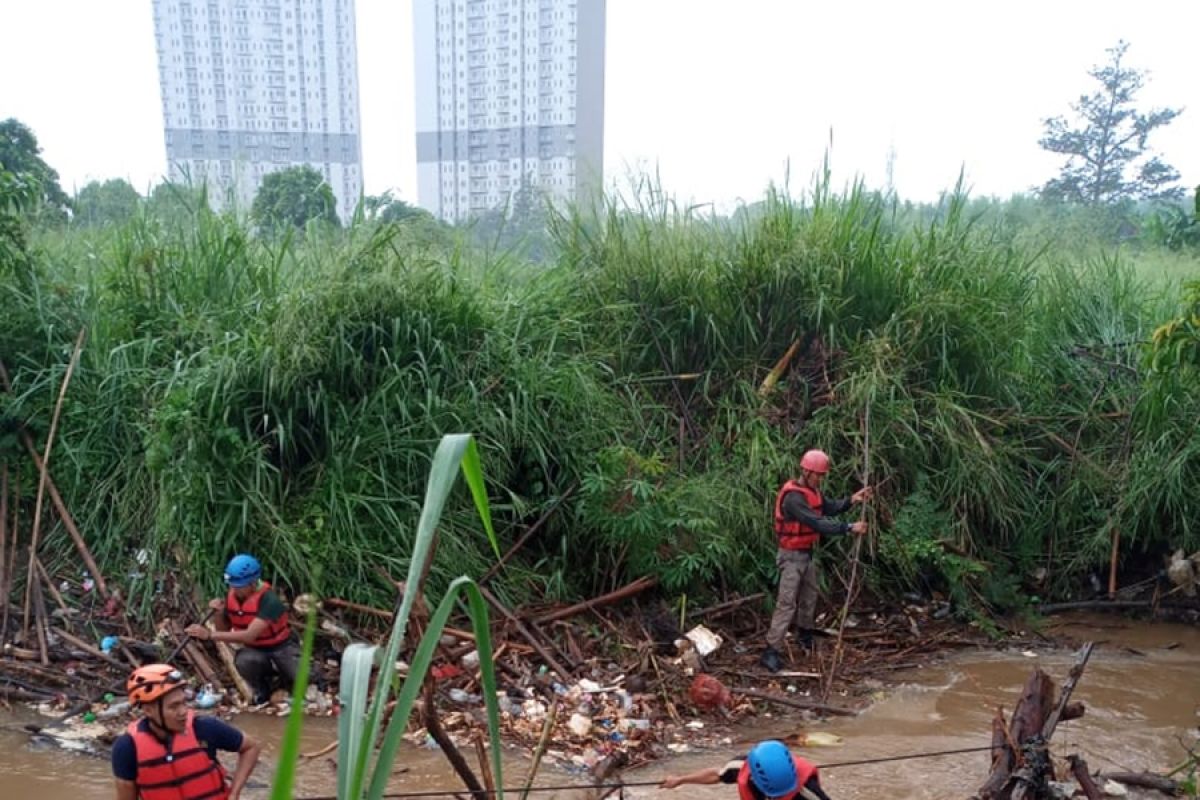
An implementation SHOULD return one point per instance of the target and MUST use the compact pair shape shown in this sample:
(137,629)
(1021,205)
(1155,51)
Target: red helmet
(151,682)
(815,461)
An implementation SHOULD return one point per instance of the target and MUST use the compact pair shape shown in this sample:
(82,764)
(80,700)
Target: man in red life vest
(802,517)
(253,616)
(768,772)
(170,755)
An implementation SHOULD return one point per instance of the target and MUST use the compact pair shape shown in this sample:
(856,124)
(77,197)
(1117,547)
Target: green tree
(385,208)
(20,155)
(293,197)
(113,202)
(1108,159)
(172,202)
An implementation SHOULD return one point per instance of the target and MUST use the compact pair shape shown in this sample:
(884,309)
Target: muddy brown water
(1142,691)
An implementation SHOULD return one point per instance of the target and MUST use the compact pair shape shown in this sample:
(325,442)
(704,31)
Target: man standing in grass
(253,616)
(802,517)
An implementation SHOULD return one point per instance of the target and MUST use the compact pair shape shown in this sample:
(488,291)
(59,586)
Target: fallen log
(836,711)
(1079,769)
(1143,780)
(94,652)
(640,585)
(226,654)
(727,606)
(525,633)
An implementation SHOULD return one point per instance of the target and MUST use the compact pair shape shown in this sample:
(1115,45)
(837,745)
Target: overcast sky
(718,97)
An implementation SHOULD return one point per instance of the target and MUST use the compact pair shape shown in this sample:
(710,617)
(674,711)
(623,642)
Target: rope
(638,784)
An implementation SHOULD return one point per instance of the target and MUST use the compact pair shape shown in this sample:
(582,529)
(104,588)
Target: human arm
(701,777)
(245,636)
(124,767)
(220,621)
(247,758)
(795,507)
(271,608)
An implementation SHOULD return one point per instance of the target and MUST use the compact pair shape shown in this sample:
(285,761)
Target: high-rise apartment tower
(253,86)
(509,93)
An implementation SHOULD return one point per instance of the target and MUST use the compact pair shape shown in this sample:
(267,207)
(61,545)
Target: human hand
(862,495)
(671,782)
(858,528)
(198,632)
(217,604)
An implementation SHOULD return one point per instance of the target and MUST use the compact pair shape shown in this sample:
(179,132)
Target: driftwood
(727,606)
(434,726)
(1020,758)
(640,585)
(226,654)
(1079,769)
(835,711)
(1143,780)
(526,634)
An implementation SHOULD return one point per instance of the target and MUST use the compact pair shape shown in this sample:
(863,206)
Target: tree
(1108,159)
(113,202)
(20,155)
(175,203)
(385,208)
(291,198)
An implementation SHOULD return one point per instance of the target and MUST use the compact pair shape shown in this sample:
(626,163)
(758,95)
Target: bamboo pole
(10,566)
(41,491)
(4,548)
(852,586)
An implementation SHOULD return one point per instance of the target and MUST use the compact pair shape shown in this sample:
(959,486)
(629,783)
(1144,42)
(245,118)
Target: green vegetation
(361,771)
(282,394)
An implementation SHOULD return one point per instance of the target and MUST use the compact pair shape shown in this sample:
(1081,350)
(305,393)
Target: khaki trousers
(797,599)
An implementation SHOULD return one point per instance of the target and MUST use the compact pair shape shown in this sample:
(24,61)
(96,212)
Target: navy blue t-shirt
(212,733)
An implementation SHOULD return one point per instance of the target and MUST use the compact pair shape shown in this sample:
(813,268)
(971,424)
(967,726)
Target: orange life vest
(241,614)
(181,771)
(793,534)
(805,771)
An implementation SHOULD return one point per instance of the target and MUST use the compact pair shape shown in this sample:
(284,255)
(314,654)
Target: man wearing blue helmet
(253,616)
(768,772)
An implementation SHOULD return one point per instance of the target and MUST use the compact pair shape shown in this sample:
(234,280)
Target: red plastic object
(708,692)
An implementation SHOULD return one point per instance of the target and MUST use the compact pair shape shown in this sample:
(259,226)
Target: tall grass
(282,396)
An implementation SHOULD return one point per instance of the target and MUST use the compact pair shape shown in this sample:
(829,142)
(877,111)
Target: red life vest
(747,790)
(184,771)
(793,534)
(241,614)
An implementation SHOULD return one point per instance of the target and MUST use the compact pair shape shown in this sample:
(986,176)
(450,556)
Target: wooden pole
(4,548)
(852,586)
(41,491)
(10,567)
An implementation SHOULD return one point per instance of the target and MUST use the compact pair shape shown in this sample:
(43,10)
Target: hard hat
(815,461)
(243,570)
(772,768)
(149,683)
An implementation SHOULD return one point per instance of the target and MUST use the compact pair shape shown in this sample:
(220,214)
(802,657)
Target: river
(1141,690)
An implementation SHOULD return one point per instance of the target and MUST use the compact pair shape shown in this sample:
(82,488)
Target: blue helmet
(243,570)
(772,768)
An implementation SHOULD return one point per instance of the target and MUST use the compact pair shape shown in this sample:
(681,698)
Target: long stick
(41,492)
(852,586)
(10,568)
(3,548)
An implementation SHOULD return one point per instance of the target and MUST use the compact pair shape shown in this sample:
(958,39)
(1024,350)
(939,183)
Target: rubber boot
(771,660)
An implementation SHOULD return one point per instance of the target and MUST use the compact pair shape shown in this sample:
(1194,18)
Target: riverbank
(1139,690)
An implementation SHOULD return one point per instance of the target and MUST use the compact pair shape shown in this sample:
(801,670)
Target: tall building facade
(509,93)
(254,86)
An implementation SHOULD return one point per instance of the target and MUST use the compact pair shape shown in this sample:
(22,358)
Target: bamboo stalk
(226,654)
(10,567)
(34,586)
(4,548)
(41,491)
(57,595)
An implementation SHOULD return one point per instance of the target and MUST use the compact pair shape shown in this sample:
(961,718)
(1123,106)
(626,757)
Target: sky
(716,98)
